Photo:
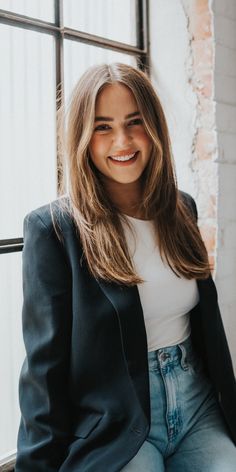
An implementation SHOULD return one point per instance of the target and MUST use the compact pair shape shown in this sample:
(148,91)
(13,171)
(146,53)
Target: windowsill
(7,463)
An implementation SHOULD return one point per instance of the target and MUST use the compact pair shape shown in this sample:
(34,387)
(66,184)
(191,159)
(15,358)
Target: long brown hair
(98,222)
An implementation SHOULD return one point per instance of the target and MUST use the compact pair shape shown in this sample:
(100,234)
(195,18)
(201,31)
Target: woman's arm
(43,390)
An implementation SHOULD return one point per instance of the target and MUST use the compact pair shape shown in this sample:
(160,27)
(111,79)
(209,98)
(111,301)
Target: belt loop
(183,360)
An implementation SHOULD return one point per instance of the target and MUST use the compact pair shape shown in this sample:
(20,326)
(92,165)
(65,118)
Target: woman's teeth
(123,158)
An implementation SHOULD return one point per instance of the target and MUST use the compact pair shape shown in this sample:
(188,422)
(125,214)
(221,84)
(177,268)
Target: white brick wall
(226,147)
(227,92)
(226,115)
(225,59)
(225,32)
(226,8)
(225,97)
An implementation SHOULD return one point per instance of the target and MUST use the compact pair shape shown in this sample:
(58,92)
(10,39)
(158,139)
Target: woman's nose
(122,138)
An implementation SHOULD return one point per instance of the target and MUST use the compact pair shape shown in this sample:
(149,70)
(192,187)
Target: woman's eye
(137,121)
(102,128)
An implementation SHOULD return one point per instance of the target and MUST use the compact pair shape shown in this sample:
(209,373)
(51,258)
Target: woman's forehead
(114,98)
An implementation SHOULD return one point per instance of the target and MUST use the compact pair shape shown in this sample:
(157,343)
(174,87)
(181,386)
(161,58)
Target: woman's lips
(125,163)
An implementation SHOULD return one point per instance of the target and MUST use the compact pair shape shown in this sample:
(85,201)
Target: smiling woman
(101,126)
(127,367)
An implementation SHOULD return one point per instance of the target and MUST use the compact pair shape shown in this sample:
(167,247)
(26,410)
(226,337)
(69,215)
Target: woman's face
(120,147)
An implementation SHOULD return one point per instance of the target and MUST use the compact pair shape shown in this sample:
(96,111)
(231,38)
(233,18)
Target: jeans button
(165,356)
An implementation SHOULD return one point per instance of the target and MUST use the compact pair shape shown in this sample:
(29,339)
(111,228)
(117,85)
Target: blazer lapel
(127,305)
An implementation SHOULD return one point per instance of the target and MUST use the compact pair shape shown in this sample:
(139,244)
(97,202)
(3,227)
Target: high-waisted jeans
(188,432)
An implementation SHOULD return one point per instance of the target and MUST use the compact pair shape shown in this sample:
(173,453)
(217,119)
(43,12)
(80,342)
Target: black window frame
(59,31)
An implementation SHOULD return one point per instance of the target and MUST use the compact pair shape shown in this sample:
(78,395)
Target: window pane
(41,9)
(79,56)
(27,123)
(113,19)
(12,349)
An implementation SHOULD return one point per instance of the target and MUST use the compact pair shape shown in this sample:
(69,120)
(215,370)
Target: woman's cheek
(142,134)
(95,145)
(99,143)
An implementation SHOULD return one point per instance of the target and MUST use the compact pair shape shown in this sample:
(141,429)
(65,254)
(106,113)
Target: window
(40,43)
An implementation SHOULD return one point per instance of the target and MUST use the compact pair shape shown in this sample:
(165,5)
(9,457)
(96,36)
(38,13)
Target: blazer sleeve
(43,436)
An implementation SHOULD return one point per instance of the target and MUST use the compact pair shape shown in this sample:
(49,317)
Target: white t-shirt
(165,298)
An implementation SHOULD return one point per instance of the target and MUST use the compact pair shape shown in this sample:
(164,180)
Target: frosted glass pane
(27,125)
(12,350)
(79,56)
(41,9)
(113,19)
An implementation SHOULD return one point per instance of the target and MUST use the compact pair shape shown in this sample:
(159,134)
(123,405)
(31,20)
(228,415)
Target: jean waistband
(182,353)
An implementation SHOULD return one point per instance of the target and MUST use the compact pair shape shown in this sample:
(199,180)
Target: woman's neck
(126,197)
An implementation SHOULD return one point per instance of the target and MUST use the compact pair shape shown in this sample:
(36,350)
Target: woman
(127,365)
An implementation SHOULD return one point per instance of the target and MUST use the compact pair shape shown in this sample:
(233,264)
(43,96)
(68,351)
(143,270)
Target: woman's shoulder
(55,213)
(185,196)
(189,202)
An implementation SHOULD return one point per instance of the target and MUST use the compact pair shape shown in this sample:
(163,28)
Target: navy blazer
(84,385)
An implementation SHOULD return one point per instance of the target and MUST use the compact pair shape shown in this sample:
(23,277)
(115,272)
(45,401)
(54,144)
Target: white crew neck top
(165,298)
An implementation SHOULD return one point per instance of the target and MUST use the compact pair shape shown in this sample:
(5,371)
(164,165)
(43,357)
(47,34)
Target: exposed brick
(202,54)
(201,25)
(207,203)
(208,233)
(203,83)
(212,262)
(206,112)
(205,143)
(198,7)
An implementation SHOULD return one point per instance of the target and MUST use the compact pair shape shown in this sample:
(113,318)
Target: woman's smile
(124,159)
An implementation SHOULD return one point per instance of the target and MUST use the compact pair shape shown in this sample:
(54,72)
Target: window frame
(61,32)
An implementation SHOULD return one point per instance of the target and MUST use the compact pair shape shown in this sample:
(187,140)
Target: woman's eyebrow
(107,118)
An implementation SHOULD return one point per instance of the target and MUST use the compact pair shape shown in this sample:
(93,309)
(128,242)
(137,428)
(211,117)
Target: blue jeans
(188,432)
